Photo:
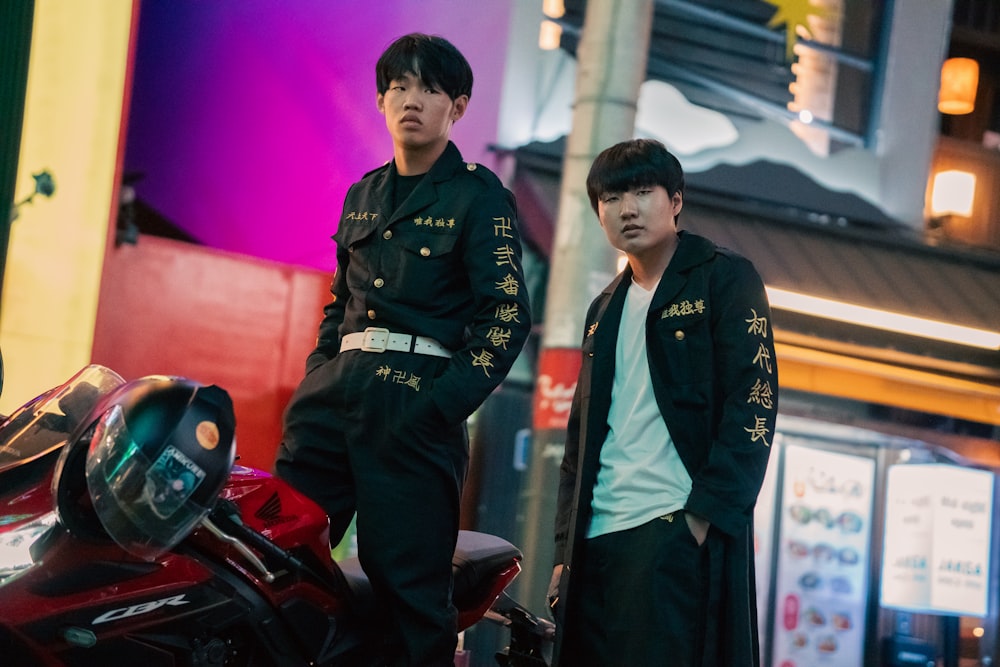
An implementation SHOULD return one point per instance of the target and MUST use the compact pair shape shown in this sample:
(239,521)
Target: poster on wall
(938,531)
(823,547)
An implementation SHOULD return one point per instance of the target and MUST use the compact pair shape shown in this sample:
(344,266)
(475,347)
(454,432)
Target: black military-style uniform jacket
(711,358)
(445,264)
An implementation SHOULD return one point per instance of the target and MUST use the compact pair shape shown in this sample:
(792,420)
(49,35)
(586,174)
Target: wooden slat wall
(245,324)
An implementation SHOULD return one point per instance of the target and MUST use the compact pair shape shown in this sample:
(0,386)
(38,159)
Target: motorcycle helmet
(159,454)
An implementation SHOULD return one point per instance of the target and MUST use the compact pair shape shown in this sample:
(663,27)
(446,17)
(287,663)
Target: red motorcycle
(128,536)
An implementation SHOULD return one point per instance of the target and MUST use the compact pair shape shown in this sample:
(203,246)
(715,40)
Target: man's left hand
(698,526)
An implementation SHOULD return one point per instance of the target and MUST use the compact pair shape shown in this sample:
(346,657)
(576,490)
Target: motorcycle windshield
(45,423)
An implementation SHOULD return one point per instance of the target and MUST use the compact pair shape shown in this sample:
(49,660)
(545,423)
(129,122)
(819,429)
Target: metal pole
(611,66)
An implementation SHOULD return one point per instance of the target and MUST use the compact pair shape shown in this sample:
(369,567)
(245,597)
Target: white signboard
(938,524)
(821,578)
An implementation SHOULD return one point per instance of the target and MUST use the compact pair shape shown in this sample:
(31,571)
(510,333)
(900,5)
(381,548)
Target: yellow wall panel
(72,122)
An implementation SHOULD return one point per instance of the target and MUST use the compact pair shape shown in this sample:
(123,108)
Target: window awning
(876,266)
(880,269)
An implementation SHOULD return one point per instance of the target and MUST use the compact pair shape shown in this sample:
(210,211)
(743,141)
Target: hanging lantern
(554,9)
(959,80)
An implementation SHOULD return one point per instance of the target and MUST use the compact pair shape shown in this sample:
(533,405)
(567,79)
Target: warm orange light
(953,193)
(549,36)
(959,80)
(882,319)
(554,9)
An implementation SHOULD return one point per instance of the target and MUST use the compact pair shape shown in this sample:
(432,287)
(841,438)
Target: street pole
(611,66)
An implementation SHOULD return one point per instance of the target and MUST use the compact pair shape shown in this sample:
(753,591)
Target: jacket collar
(692,250)
(425,193)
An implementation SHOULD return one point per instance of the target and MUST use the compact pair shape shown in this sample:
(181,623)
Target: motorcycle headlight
(14,545)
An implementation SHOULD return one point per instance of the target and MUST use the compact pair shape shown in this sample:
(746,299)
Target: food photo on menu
(821,575)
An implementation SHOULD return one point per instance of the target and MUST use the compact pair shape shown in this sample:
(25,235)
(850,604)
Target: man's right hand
(553,592)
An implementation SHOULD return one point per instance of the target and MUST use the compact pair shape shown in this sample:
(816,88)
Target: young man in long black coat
(668,439)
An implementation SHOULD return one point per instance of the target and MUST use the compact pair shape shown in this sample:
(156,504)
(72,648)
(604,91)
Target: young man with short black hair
(429,312)
(668,438)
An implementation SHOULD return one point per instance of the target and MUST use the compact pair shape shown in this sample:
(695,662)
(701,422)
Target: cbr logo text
(136,609)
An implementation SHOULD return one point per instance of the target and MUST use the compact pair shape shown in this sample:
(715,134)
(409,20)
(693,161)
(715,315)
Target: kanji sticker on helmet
(207,434)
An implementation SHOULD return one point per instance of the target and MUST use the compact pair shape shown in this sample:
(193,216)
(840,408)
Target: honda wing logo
(270,511)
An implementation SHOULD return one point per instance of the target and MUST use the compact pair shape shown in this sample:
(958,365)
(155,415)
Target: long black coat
(711,356)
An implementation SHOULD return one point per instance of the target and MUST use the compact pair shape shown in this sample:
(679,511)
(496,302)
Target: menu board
(938,525)
(822,561)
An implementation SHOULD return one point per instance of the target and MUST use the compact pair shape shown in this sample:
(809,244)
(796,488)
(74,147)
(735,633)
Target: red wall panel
(241,323)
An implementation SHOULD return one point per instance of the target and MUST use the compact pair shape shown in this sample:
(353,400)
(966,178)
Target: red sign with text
(558,368)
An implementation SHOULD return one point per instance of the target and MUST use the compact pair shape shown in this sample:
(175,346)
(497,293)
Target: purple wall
(250,118)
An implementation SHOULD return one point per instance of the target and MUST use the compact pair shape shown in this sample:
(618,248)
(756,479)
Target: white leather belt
(377,339)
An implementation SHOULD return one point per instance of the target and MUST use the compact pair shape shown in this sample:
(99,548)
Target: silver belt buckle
(376,339)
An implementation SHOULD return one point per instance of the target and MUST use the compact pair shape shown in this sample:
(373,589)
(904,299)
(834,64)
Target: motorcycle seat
(478,558)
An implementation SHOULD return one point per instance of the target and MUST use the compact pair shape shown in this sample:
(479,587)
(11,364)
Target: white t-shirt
(641,475)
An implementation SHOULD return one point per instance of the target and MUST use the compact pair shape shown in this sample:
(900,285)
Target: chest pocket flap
(428,244)
(350,233)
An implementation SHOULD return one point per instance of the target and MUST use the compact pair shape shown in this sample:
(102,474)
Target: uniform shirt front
(444,263)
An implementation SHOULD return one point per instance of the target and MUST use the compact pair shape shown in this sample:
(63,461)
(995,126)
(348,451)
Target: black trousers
(358,437)
(640,597)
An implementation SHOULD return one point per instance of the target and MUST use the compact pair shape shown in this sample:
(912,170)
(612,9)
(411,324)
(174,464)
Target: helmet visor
(147,505)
